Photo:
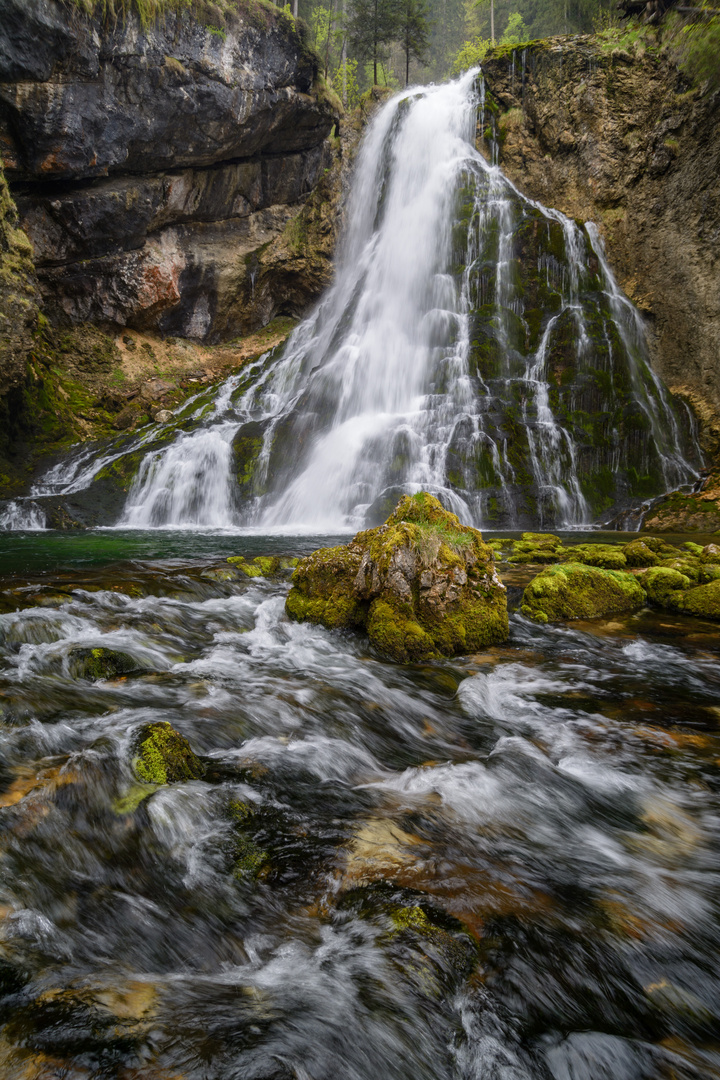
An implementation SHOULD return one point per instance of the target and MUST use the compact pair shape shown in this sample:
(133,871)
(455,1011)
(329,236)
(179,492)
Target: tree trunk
(492,22)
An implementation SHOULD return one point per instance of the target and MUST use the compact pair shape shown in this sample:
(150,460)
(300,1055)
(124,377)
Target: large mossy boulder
(674,591)
(422,585)
(576,591)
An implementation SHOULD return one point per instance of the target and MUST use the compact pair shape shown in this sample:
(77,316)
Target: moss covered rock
(249,860)
(703,600)
(576,591)
(422,585)
(164,756)
(639,553)
(662,582)
(536,548)
(95,664)
(263,565)
(605,556)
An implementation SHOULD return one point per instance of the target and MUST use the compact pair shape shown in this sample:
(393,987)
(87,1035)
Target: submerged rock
(164,756)
(422,585)
(576,591)
(95,664)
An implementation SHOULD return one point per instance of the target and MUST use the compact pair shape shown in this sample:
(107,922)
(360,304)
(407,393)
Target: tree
(372,28)
(413,31)
(492,18)
(470,55)
(515,31)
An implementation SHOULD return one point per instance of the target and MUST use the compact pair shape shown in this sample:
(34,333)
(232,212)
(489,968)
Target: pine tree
(413,31)
(372,27)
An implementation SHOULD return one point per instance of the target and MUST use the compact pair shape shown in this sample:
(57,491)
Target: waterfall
(474,344)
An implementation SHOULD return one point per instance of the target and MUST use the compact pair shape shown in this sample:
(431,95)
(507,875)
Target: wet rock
(661,583)
(164,756)
(536,548)
(575,591)
(609,176)
(704,601)
(249,859)
(422,585)
(162,416)
(263,565)
(639,553)
(95,664)
(606,556)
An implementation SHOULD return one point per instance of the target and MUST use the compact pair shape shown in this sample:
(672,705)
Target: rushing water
(503,866)
(474,344)
(438,360)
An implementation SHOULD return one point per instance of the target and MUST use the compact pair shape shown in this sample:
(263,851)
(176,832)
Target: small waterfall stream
(474,344)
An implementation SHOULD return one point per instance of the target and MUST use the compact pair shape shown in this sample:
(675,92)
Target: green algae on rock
(96,664)
(605,556)
(576,591)
(263,565)
(422,585)
(164,756)
(249,860)
(668,588)
(662,582)
(536,548)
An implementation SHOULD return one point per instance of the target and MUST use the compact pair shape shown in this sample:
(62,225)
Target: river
(498,866)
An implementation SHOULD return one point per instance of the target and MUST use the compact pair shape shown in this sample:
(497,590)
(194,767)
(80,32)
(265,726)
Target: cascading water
(474,344)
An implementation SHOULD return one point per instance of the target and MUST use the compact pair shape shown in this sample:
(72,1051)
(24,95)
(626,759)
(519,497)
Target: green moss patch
(164,756)
(97,664)
(575,591)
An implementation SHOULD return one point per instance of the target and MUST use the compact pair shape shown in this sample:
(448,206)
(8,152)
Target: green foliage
(372,28)
(697,47)
(470,55)
(345,83)
(413,31)
(515,31)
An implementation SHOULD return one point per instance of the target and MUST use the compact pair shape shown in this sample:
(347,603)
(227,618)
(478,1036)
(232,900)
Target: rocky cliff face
(18,293)
(621,140)
(153,167)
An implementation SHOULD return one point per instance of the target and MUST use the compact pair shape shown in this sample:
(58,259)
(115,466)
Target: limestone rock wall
(622,140)
(152,166)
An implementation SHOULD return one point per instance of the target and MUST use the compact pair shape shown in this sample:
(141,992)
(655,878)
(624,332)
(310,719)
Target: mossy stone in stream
(576,591)
(422,585)
(639,553)
(703,601)
(263,565)
(605,556)
(661,583)
(164,756)
(96,664)
(323,589)
(689,566)
(536,548)
(249,860)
